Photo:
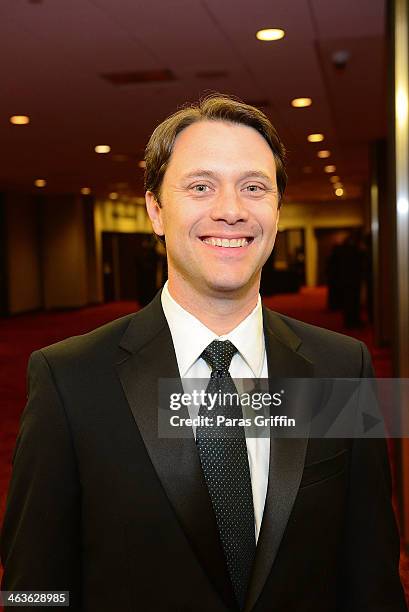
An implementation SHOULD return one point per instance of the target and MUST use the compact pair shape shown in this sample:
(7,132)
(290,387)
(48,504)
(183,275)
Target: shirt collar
(190,336)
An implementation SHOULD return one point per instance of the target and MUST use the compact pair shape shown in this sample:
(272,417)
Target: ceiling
(54,53)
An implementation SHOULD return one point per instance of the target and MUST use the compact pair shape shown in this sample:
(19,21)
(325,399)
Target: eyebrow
(198,173)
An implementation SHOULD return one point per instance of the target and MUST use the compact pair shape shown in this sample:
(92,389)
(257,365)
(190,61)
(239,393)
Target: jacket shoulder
(334,354)
(101,341)
(99,349)
(313,333)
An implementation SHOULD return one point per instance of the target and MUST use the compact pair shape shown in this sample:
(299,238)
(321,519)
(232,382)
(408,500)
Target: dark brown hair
(216,107)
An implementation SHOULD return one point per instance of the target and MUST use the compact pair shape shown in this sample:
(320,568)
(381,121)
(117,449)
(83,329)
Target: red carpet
(21,335)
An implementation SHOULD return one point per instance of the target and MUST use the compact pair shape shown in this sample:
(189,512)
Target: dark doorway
(129,267)
(284,271)
(327,239)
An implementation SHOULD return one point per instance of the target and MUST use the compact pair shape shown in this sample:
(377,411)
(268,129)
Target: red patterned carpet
(21,335)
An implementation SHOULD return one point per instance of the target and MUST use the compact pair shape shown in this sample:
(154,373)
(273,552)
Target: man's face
(219,208)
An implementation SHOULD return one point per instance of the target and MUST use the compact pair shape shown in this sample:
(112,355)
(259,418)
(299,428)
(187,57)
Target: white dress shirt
(190,338)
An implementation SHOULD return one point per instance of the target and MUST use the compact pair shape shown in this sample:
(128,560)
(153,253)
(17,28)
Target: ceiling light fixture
(19,120)
(301,102)
(315,137)
(330,169)
(339,192)
(102,149)
(85,190)
(142,164)
(113,195)
(323,154)
(269,34)
(334,179)
(40,183)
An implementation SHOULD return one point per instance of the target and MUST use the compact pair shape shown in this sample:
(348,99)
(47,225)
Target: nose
(228,207)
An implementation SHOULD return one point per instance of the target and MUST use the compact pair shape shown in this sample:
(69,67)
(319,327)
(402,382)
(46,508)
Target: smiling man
(220,218)
(102,506)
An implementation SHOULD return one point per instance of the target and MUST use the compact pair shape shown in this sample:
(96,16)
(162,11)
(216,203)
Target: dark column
(382,237)
(4,281)
(64,252)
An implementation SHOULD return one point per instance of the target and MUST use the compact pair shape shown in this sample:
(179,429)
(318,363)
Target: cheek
(269,223)
(182,223)
(176,226)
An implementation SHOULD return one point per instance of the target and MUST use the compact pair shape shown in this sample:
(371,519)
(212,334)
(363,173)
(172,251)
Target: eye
(200,188)
(254,188)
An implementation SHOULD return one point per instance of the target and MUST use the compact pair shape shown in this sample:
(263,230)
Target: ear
(155,213)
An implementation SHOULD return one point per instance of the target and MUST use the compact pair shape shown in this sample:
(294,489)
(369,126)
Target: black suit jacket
(101,506)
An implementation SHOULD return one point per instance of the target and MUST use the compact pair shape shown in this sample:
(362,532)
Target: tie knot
(218,355)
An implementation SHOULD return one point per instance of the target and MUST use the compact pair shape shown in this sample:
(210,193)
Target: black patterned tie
(226,469)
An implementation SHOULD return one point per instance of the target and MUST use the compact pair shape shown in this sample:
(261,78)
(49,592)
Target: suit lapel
(147,354)
(287,455)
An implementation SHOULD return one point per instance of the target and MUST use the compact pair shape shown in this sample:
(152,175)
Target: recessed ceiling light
(19,120)
(334,179)
(142,164)
(339,192)
(85,190)
(40,183)
(102,149)
(301,102)
(270,34)
(323,154)
(338,185)
(113,195)
(315,137)
(330,169)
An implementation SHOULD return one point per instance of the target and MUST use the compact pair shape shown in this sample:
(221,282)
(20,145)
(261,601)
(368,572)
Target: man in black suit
(103,506)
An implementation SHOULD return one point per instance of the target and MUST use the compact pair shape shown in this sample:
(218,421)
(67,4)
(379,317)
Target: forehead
(221,144)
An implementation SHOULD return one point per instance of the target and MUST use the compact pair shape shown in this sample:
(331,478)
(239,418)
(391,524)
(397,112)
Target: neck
(219,312)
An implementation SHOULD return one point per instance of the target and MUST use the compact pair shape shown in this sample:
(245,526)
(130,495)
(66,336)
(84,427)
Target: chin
(225,285)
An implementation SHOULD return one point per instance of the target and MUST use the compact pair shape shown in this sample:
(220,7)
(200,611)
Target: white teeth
(225,242)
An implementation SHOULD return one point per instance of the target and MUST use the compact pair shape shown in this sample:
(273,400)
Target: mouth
(232,243)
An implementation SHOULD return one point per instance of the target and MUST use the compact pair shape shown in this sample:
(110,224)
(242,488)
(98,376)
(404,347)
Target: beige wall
(51,252)
(65,271)
(310,216)
(122,216)
(23,260)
